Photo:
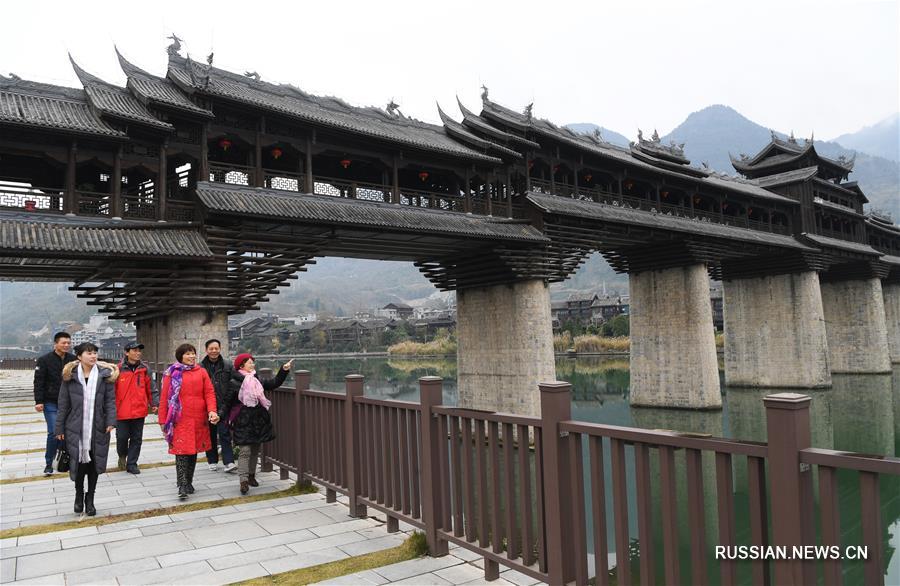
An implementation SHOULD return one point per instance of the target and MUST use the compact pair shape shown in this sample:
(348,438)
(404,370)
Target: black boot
(79,500)
(182,491)
(251,480)
(89,504)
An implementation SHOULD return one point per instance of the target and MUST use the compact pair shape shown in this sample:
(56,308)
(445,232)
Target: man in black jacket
(47,380)
(219,371)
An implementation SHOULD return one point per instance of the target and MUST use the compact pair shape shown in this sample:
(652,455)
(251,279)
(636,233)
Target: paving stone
(467,555)
(94,575)
(336,528)
(303,560)
(29,549)
(229,576)
(52,580)
(7,570)
(100,538)
(218,534)
(293,521)
(135,524)
(416,567)
(176,526)
(263,504)
(57,535)
(482,582)
(46,564)
(365,578)
(202,513)
(203,553)
(424,580)
(242,515)
(303,506)
(277,539)
(325,542)
(370,545)
(148,546)
(8,542)
(249,557)
(460,573)
(167,575)
(518,578)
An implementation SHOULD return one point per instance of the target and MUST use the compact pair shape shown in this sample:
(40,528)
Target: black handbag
(62,459)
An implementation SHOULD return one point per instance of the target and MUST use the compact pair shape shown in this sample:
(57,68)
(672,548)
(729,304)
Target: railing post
(301,383)
(354,386)
(431,394)
(264,464)
(791,495)
(556,406)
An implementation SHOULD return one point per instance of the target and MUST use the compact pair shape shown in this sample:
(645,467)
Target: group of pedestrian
(202,405)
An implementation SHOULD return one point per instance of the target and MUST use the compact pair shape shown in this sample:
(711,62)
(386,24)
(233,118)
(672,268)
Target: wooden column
(468,192)
(488,204)
(115,202)
(308,177)
(658,198)
(395,180)
(553,176)
(528,159)
(353,383)
(575,180)
(161,194)
(509,194)
(203,172)
(69,204)
(691,202)
(258,179)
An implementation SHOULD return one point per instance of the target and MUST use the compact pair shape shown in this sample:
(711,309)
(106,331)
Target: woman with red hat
(186,408)
(246,409)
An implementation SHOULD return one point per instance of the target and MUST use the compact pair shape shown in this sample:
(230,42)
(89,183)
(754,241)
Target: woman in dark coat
(246,409)
(187,405)
(87,415)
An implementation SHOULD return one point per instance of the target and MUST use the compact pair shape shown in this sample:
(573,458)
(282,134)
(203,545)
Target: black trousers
(88,469)
(184,469)
(129,437)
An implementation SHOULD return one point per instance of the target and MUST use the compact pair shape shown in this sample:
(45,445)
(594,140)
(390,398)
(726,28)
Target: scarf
(87,412)
(252,392)
(174,372)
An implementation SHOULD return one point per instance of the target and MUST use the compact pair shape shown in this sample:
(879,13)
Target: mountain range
(344,286)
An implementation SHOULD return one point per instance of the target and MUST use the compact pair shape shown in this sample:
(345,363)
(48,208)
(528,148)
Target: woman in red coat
(187,403)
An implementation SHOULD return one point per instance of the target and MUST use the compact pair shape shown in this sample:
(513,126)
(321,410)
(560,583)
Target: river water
(860,413)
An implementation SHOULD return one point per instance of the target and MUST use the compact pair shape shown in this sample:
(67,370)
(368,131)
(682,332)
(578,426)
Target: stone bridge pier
(890,291)
(161,336)
(505,336)
(856,326)
(775,332)
(673,348)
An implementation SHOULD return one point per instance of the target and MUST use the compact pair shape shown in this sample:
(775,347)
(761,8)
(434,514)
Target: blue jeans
(224,436)
(50,410)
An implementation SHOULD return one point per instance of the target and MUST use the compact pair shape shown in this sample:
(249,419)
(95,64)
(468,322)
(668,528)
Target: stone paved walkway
(220,545)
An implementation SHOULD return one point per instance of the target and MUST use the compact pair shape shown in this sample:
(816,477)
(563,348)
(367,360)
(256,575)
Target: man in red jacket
(136,395)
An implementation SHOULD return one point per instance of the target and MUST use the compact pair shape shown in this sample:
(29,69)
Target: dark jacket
(219,373)
(253,425)
(71,409)
(48,377)
(135,391)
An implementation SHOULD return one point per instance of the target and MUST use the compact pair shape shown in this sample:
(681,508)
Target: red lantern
(696,200)
(588,178)
(276,153)
(530,164)
(555,168)
(664,194)
(345,163)
(423,175)
(224,144)
(629,184)
(30,205)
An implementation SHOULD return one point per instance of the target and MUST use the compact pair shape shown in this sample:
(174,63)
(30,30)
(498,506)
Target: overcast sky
(824,66)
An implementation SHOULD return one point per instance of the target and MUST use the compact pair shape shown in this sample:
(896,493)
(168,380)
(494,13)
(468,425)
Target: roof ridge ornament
(655,137)
(484,93)
(528,111)
(175,47)
(393,108)
(209,58)
(791,138)
(252,75)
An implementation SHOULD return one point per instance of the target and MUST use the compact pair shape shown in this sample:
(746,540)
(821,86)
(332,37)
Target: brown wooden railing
(530,493)
(233,174)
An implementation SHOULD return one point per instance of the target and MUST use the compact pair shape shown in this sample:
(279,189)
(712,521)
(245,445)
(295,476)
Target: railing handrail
(851,461)
(675,439)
